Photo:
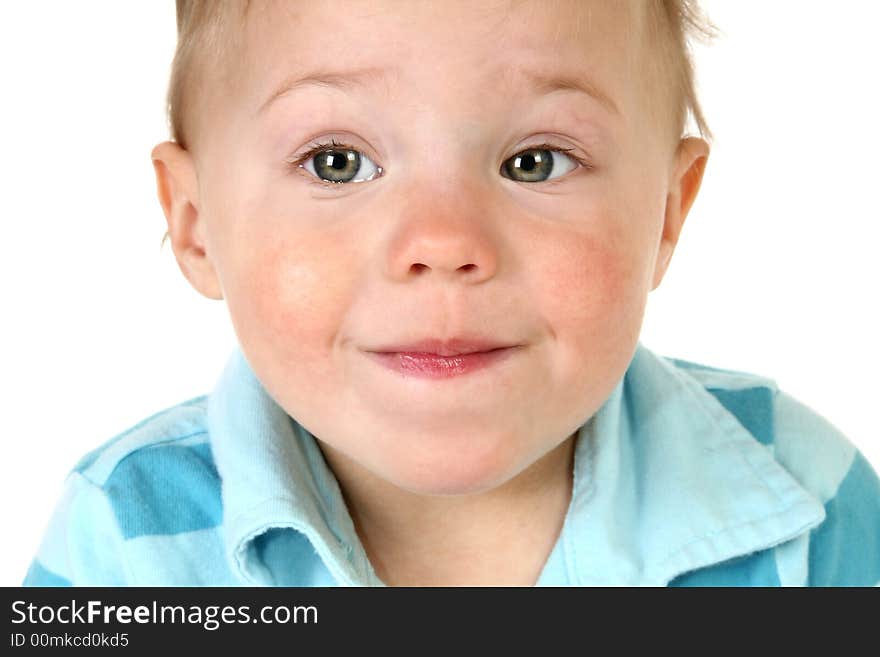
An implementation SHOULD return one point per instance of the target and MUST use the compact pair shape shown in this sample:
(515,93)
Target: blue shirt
(686,476)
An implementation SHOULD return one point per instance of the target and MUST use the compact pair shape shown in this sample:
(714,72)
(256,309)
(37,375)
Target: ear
(691,158)
(178,190)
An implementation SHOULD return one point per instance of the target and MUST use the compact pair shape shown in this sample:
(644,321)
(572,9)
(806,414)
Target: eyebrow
(366,78)
(361,78)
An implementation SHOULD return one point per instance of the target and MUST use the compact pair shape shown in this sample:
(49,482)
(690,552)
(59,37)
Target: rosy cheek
(298,293)
(588,276)
(593,302)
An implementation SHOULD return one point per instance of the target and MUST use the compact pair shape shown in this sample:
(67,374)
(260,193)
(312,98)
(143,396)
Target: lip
(445,348)
(435,366)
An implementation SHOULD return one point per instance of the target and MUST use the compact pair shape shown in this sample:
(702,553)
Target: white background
(776,271)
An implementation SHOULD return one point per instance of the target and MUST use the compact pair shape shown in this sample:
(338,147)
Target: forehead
(438,51)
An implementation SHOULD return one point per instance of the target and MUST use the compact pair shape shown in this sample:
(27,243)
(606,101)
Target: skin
(465,480)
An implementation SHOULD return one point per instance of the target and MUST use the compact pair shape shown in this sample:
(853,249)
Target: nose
(444,233)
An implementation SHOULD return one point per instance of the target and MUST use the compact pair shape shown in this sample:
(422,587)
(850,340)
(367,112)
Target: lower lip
(432,366)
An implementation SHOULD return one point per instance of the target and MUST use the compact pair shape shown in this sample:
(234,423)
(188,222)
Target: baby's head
(513,172)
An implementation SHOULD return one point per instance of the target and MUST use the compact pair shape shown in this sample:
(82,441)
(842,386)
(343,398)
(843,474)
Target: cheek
(291,299)
(592,290)
(590,280)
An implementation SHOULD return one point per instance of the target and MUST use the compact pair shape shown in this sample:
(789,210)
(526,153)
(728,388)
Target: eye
(537,163)
(334,163)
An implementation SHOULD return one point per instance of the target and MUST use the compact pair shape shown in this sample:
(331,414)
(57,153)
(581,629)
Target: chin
(462,473)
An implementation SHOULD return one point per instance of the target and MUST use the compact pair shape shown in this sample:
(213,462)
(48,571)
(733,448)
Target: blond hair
(206,42)
(673,26)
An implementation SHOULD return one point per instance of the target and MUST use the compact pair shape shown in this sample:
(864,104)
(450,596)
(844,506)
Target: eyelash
(317,147)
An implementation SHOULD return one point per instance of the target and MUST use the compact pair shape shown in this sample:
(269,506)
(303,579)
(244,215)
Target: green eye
(337,166)
(335,163)
(538,163)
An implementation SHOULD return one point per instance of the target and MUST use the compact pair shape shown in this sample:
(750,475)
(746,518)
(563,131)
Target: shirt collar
(273,475)
(666,480)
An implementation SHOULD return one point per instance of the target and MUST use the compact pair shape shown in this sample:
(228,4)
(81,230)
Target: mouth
(445,348)
(430,365)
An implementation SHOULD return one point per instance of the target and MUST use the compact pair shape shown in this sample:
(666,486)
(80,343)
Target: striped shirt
(687,475)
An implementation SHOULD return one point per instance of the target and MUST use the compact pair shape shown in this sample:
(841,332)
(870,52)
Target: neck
(497,537)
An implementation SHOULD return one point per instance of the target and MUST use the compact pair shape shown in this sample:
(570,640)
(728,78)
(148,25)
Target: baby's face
(447,223)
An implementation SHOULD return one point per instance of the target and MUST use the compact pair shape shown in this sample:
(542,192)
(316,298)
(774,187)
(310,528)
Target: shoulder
(172,430)
(154,481)
(845,548)
(159,476)
(815,452)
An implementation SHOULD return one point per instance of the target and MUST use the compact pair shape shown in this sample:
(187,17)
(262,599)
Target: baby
(436,225)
